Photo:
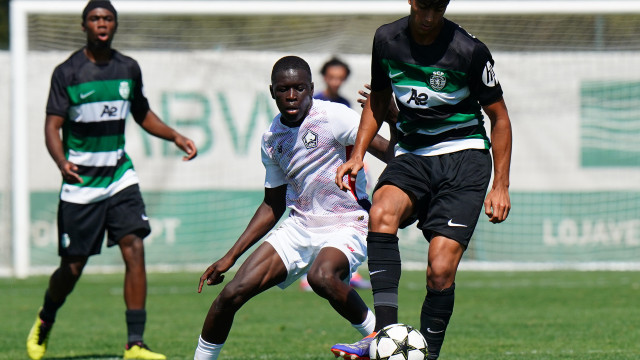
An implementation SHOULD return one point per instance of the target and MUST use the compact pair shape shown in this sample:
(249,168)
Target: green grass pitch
(498,316)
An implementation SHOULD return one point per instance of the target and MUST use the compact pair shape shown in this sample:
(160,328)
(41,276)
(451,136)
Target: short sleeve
(379,77)
(58,102)
(483,82)
(274,176)
(344,124)
(139,103)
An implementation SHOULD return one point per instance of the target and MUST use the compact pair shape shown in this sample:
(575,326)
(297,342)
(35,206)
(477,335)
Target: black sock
(434,318)
(385,271)
(136,320)
(49,308)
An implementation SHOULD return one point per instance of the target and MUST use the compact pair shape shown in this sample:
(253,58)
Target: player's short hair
(334,61)
(288,63)
(94,4)
(434,4)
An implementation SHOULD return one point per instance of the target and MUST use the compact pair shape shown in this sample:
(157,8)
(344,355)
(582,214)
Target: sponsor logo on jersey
(109,111)
(124,90)
(418,98)
(310,139)
(489,76)
(437,81)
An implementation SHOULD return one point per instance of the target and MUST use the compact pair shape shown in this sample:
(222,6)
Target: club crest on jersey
(124,90)
(310,139)
(437,81)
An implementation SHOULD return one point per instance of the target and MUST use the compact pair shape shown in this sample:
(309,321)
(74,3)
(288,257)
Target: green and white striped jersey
(439,88)
(95,101)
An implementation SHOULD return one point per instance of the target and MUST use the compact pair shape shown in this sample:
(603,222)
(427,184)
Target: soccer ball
(398,342)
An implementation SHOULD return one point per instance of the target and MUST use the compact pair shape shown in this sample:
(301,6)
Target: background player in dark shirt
(334,73)
(91,94)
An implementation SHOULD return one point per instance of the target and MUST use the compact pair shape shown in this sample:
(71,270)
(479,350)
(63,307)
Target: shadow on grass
(88,357)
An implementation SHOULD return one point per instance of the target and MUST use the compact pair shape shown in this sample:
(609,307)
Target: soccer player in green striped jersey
(91,95)
(442,78)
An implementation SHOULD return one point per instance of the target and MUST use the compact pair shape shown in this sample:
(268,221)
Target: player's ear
(311,89)
(273,96)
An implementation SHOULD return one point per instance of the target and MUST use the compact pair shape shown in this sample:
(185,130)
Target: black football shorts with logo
(81,227)
(448,189)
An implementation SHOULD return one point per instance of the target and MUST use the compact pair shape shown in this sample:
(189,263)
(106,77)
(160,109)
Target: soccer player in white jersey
(91,94)
(325,232)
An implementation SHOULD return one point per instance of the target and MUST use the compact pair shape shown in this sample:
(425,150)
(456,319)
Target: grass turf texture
(498,316)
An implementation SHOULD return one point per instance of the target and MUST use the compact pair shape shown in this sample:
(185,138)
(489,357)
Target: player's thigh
(391,207)
(80,229)
(403,185)
(126,215)
(297,247)
(330,263)
(262,270)
(341,252)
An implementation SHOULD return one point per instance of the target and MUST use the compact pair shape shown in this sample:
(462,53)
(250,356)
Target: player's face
(334,76)
(425,20)
(100,26)
(293,91)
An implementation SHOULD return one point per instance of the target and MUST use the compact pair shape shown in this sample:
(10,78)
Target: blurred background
(569,69)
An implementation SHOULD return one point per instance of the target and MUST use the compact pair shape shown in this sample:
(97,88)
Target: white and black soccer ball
(398,342)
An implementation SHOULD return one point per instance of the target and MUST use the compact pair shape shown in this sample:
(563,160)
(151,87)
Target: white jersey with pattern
(306,159)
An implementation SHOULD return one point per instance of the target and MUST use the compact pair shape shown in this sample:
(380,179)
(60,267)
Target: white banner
(221,100)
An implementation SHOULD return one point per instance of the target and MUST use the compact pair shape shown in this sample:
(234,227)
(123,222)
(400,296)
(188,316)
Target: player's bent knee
(440,277)
(320,281)
(382,216)
(234,295)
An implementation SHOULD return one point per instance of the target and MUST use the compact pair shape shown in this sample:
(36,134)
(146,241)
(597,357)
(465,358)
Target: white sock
(207,350)
(367,325)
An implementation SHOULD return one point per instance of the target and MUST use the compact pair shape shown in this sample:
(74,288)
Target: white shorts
(298,247)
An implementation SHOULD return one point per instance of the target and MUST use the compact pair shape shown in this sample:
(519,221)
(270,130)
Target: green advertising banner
(197,227)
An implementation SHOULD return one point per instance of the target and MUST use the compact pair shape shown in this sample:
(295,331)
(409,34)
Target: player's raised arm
(373,115)
(264,219)
(156,127)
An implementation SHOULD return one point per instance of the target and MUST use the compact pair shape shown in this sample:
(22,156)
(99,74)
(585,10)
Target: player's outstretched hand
(188,146)
(69,172)
(214,273)
(350,169)
(497,204)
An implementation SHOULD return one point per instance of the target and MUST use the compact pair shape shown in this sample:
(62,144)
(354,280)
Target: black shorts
(81,227)
(448,190)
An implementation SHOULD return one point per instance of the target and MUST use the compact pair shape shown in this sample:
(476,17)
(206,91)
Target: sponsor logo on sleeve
(489,76)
